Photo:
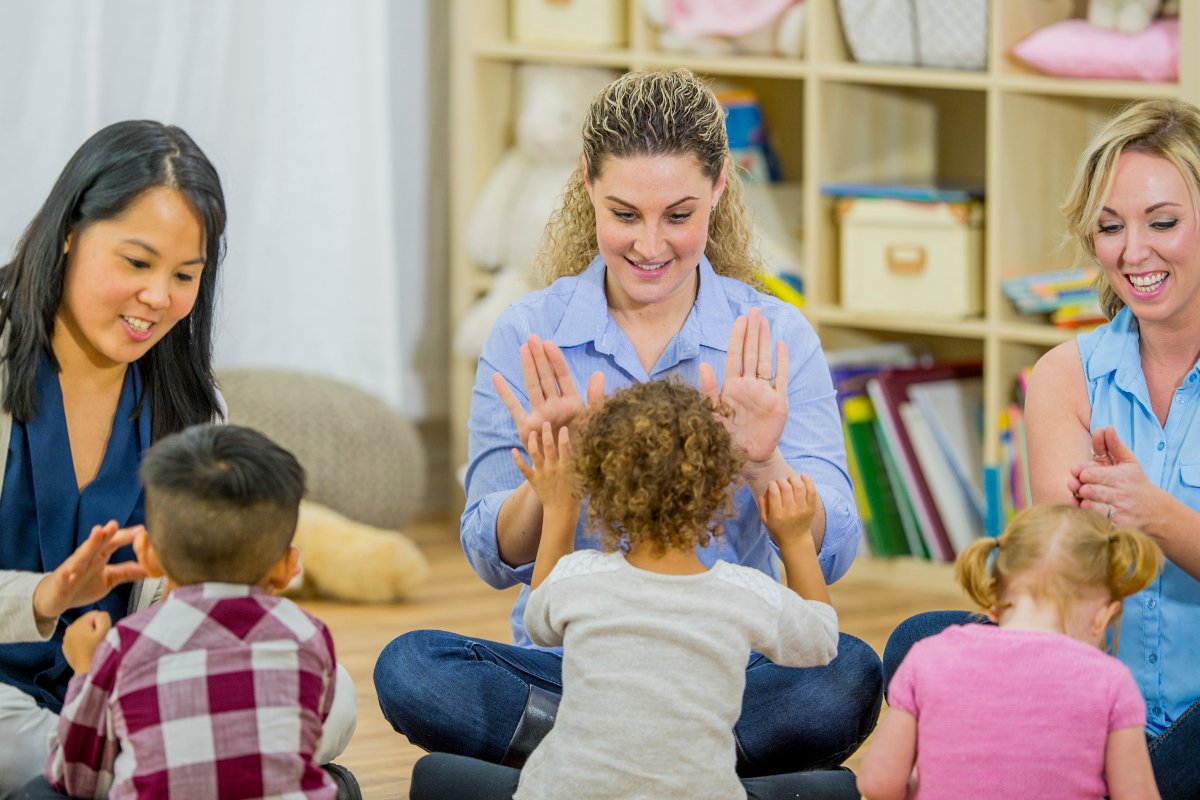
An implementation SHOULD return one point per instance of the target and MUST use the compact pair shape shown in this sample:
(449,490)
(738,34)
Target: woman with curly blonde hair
(650,271)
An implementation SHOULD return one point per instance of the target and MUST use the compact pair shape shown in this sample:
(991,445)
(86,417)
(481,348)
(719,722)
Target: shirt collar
(586,317)
(713,312)
(1118,351)
(215,590)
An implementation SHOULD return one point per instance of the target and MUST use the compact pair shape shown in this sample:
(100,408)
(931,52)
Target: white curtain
(318,116)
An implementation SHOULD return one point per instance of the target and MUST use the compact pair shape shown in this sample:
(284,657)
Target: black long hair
(107,173)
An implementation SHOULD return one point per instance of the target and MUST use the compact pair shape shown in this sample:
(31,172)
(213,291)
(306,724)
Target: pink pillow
(1077,49)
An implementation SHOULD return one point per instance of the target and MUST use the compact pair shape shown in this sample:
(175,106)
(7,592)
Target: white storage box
(908,257)
(586,23)
(950,34)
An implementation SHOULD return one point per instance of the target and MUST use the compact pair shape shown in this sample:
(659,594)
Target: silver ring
(1111,511)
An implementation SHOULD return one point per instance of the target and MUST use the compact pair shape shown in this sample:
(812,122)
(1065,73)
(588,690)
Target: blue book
(937,192)
(993,519)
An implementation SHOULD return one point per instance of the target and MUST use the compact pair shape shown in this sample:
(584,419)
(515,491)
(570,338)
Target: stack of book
(1067,296)
(914,434)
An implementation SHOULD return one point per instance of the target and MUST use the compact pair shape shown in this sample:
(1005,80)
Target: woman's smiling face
(652,216)
(1147,239)
(131,278)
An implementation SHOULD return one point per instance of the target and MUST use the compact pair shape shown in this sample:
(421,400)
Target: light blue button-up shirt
(573,313)
(1160,626)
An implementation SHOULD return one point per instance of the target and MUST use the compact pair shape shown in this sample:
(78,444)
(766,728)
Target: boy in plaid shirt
(221,690)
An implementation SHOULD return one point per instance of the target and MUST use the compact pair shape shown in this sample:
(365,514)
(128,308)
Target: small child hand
(82,637)
(551,475)
(787,508)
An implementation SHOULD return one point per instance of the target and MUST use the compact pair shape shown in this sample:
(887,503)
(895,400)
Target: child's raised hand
(551,475)
(787,508)
(82,637)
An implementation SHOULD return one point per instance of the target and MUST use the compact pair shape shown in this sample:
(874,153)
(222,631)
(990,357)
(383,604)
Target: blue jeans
(451,694)
(1174,754)
(442,776)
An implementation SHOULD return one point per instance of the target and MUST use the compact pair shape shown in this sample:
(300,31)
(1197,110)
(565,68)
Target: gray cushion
(363,459)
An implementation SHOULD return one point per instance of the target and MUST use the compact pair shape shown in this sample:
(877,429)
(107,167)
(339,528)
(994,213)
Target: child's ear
(145,554)
(993,614)
(1103,616)
(284,570)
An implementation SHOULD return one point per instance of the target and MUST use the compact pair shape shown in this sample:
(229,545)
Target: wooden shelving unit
(1017,132)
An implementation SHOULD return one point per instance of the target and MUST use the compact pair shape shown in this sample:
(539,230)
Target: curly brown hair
(657,466)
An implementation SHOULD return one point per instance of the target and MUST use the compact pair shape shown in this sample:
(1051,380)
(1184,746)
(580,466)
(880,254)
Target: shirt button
(1151,603)
(1192,378)
(1180,398)
(1161,445)
(1156,711)
(1153,658)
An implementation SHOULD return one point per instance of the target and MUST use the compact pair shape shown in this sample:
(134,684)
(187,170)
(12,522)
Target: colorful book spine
(880,512)
(908,515)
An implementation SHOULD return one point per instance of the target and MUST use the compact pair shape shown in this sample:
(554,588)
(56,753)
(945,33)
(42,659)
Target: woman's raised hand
(755,389)
(552,394)
(1115,485)
(86,576)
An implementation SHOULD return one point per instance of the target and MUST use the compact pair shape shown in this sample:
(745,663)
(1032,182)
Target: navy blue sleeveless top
(44,516)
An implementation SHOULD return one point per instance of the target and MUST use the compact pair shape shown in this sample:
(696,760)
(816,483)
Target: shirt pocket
(1189,484)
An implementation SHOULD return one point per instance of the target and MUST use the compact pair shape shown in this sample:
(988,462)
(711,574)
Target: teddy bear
(506,223)
(344,559)
(1127,16)
(729,27)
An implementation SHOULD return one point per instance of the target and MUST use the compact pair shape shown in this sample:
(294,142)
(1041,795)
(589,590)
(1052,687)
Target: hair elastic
(991,558)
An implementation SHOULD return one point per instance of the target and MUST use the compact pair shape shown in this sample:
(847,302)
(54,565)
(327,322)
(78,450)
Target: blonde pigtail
(1134,561)
(972,573)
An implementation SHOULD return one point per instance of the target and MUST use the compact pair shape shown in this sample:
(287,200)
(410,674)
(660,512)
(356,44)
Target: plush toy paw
(1127,16)
(347,560)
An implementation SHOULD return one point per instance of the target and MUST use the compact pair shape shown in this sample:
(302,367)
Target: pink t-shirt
(1005,713)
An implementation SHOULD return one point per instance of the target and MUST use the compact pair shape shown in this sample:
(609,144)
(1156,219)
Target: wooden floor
(872,598)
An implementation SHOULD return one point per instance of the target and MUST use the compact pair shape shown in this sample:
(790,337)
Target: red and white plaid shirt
(220,691)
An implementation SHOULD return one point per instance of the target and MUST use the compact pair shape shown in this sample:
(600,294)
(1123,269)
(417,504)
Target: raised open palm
(552,394)
(755,390)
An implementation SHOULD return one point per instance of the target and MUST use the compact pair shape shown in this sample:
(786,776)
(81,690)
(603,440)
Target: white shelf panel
(902,323)
(1080,87)
(1034,333)
(727,65)
(850,72)
(508,51)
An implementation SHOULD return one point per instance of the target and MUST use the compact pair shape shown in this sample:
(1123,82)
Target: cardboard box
(584,23)
(911,257)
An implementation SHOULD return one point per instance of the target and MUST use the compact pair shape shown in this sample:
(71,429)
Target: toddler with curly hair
(656,642)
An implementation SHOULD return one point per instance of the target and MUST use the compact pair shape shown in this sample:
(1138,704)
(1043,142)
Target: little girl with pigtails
(1033,705)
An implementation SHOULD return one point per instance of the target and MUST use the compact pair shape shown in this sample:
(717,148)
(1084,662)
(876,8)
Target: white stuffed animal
(524,188)
(729,27)
(1127,16)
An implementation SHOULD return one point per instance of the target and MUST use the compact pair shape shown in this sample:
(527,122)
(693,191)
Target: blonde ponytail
(972,573)
(1134,561)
